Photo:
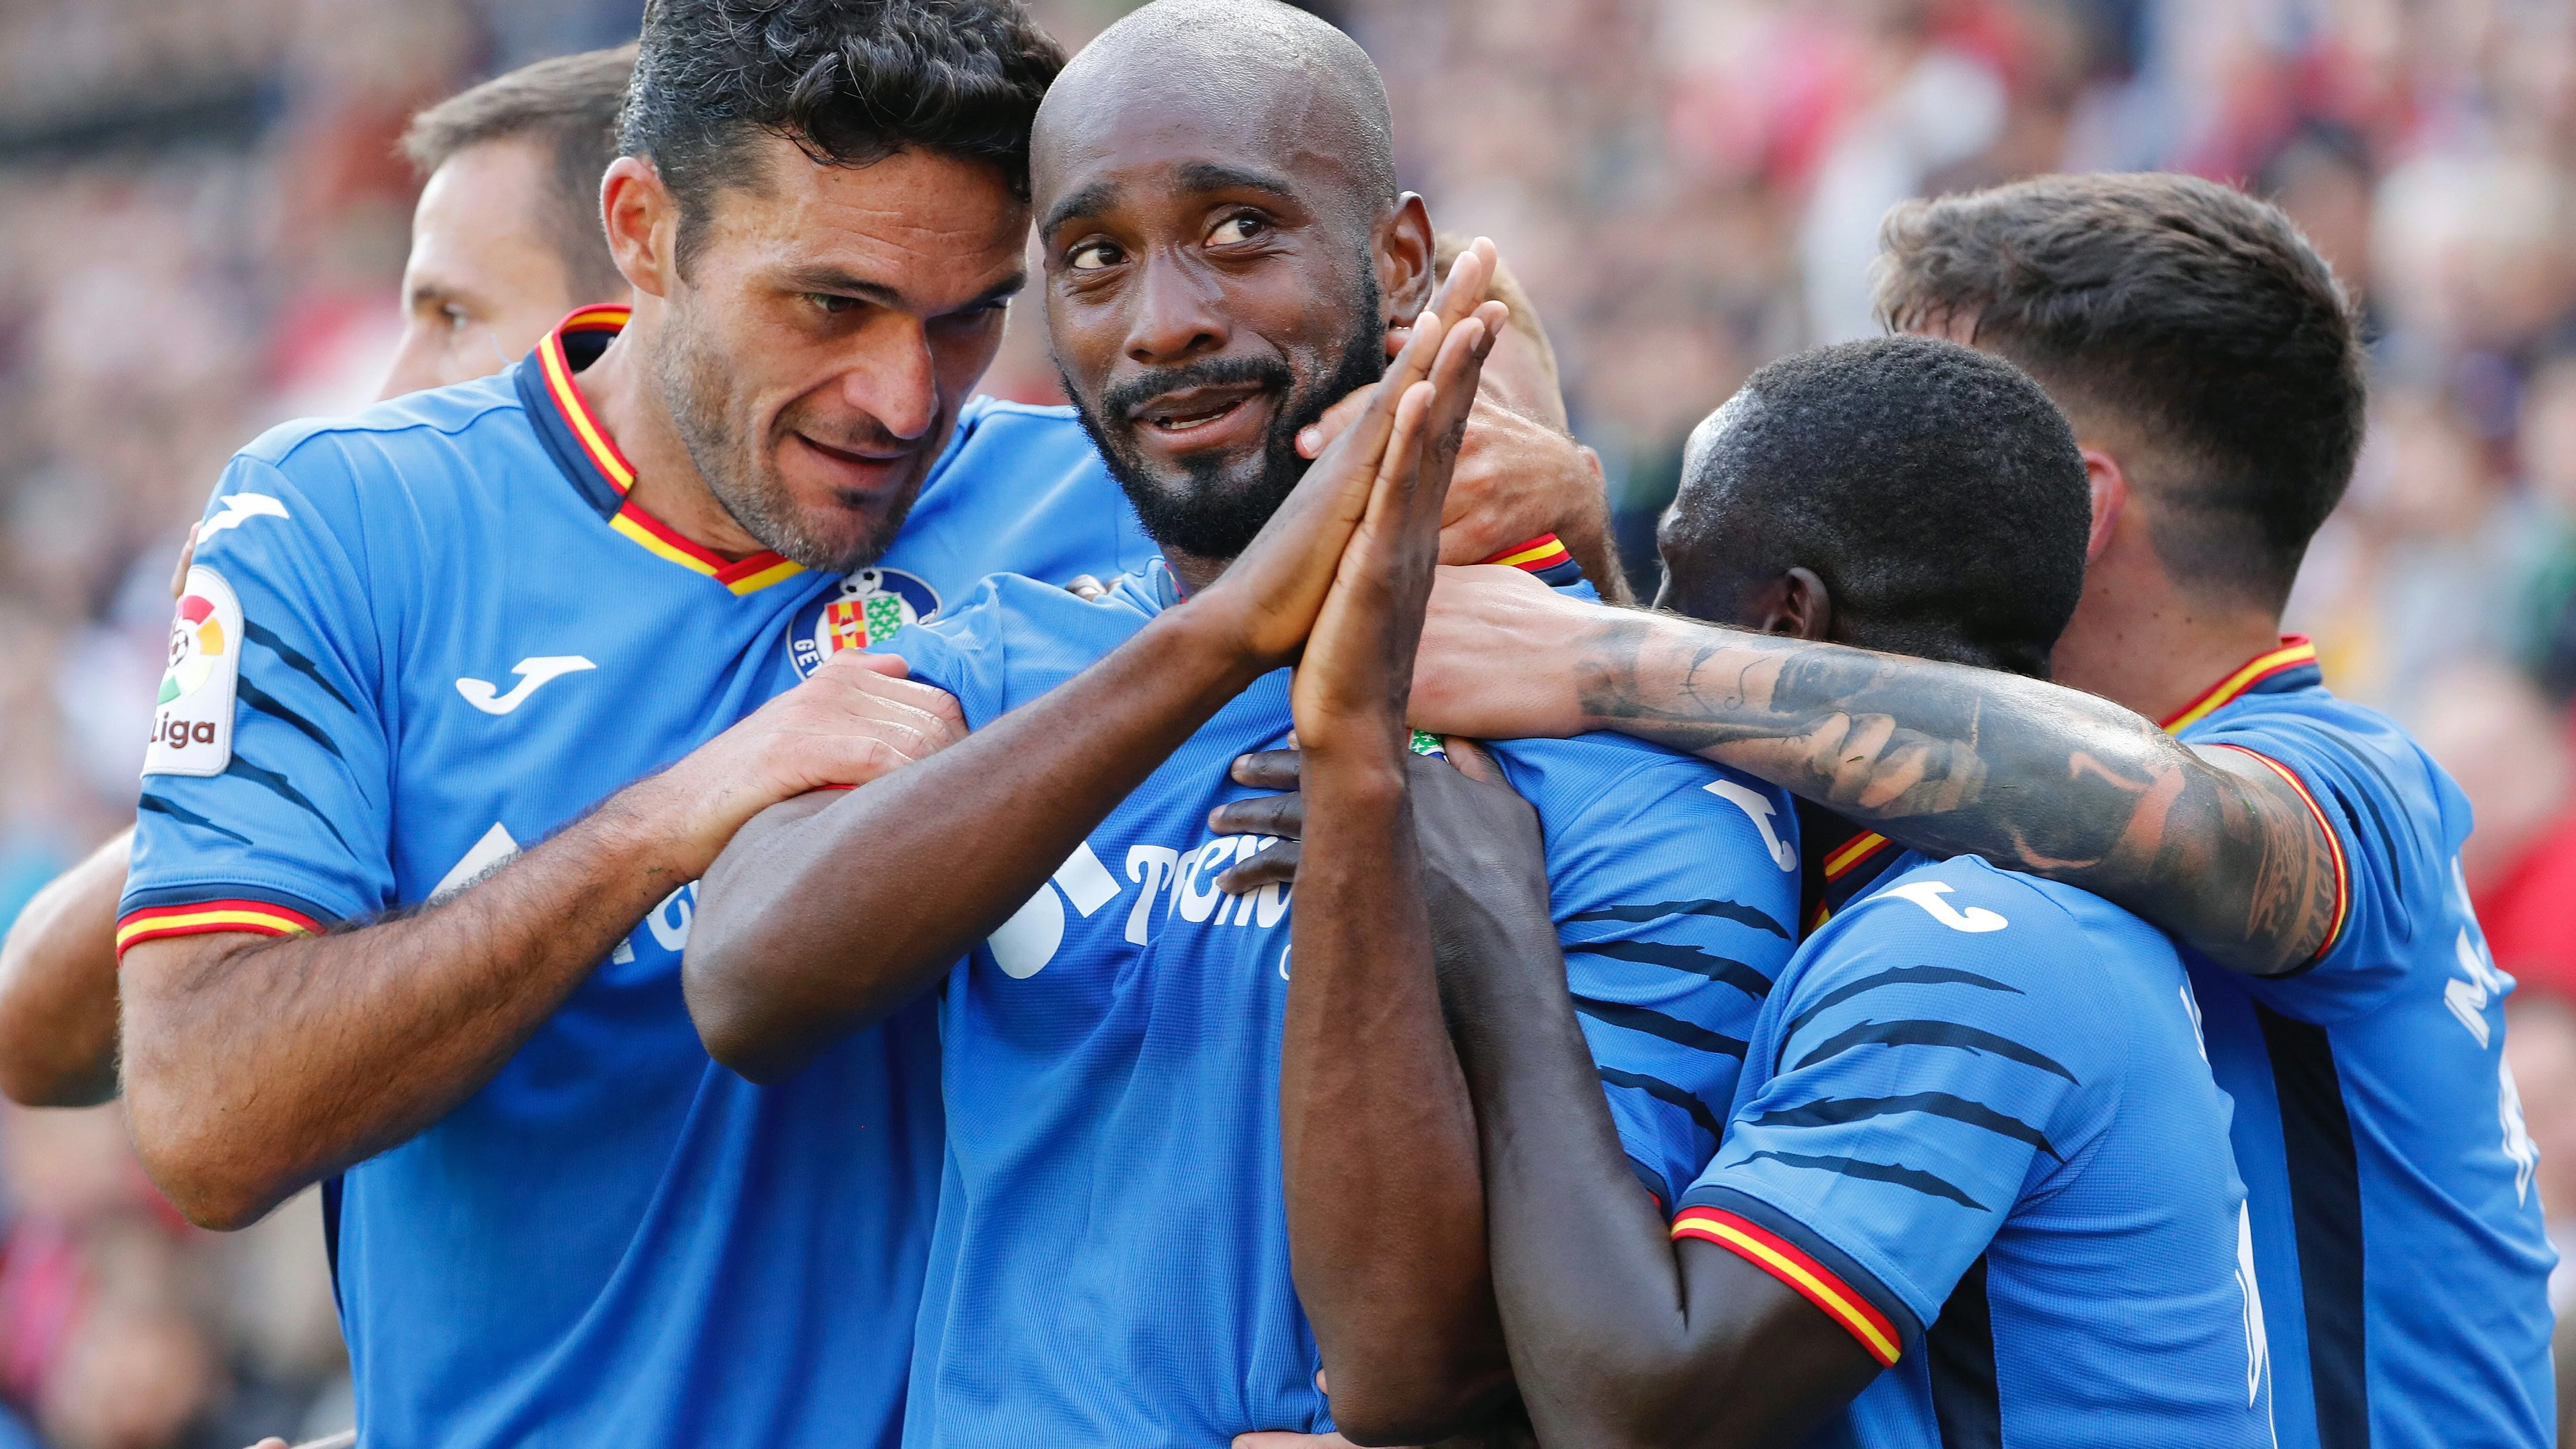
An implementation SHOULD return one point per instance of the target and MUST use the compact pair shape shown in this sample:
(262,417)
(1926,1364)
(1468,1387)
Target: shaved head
(1225,250)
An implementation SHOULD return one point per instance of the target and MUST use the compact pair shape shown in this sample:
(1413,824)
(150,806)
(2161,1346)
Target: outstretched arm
(2212,845)
(58,986)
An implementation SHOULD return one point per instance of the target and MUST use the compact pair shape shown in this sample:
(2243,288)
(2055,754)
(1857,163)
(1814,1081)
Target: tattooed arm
(2209,844)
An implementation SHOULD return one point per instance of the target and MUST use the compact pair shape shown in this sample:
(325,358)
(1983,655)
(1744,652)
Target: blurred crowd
(206,218)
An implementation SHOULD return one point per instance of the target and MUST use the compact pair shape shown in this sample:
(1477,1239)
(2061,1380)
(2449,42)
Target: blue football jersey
(2395,1221)
(1111,1259)
(414,641)
(1975,1127)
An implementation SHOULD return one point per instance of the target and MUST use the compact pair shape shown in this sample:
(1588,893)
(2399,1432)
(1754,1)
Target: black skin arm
(792,949)
(2208,844)
(1619,1336)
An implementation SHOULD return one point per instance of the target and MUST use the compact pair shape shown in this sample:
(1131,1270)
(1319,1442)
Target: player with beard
(504,243)
(1125,1051)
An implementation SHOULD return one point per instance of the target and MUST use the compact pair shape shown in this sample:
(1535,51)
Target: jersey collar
(1842,861)
(2291,666)
(590,460)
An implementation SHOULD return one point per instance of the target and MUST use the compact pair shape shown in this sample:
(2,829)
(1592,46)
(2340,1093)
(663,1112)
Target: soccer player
(2302,849)
(1225,246)
(505,241)
(462,698)
(1975,1186)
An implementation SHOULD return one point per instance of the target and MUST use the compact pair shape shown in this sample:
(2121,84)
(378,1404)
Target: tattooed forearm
(2216,849)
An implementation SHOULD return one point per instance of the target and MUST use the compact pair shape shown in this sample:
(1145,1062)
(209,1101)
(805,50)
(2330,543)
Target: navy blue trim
(192,895)
(1909,1329)
(1893,976)
(1560,575)
(1838,1111)
(1723,910)
(1932,1034)
(267,639)
(561,445)
(1894,1174)
(269,704)
(2325,1209)
(2303,676)
(186,816)
(1655,1023)
(332,1189)
(1967,1401)
(1667,1093)
(1678,957)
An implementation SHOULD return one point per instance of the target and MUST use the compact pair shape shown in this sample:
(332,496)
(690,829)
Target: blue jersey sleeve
(266,803)
(2396,822)
(1014,639)
(1934,1050)
(1674,884)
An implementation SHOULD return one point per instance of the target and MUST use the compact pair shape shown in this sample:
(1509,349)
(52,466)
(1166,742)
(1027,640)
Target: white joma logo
(533,674)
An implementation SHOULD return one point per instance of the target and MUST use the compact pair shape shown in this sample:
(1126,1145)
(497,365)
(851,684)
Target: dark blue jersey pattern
(413,641)
(1111,1260)
(2396,1226)
(1976,1129)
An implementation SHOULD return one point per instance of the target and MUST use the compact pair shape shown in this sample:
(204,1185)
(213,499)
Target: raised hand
(1275,590)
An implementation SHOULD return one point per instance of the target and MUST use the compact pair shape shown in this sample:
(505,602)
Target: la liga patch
(192,720)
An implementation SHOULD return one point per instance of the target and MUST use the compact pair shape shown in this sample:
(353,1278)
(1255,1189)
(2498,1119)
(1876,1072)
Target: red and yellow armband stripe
(2334,846)
(1783,1260)
(259,918)
(1542,552)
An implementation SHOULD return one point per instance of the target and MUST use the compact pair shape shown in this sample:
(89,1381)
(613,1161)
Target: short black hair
(2195,313)
(1935,490)
(568,105)
(851,82)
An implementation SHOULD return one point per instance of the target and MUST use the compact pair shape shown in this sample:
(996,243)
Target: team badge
(870,608)
(192,721)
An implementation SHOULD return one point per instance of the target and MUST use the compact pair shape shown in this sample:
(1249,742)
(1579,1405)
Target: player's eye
(1092,256)
(831,303)
(1243,228)
(456,317)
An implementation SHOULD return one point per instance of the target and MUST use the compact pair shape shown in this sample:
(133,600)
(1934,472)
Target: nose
(1176,315)
(898,382)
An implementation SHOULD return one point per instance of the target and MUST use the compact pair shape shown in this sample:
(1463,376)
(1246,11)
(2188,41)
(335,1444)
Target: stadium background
(202,222)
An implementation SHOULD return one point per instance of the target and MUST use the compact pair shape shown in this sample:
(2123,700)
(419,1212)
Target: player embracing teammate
(1497,1107)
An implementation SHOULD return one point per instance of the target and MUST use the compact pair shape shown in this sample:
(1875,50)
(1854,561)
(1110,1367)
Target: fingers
(1319,434)
(862,687)
(1463,290)
(844,661)
(1091,590)
(1276,865)
(1283,815)
(1470,759)
(1267,770)
(187,556)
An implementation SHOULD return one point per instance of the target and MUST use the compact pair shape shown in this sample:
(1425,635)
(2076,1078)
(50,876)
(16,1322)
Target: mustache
(1126,398)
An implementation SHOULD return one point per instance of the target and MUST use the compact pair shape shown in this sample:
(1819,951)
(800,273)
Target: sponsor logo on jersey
(192,720)
(1180,882)
(533,674)
(870,608)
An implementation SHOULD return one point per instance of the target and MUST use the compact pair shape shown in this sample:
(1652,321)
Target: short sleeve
(1673,905)
(1936,1051)
(962,651)
(265,804)
(2380,801)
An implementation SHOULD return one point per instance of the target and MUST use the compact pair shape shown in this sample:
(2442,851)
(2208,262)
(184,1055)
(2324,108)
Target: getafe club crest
(870,607)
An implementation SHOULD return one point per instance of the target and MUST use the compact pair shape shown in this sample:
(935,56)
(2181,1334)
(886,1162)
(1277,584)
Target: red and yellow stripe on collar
(2334,846)
(1542,552)
(1854,853)
(742,576)
(1812,1281)
(2295,651)
(258,918)
(595,442)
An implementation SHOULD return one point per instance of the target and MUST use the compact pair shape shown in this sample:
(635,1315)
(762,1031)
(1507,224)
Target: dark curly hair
(2191,312)
(851,82)
(1935,490)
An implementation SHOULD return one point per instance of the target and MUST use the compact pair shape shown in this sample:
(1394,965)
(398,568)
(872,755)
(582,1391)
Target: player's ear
(1799,606)
(643,223)
(1405,277)
(2110,494)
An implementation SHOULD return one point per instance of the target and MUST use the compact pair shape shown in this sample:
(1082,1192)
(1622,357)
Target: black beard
(1212,515)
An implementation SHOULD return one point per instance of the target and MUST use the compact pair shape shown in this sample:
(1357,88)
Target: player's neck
(1192,572)
(2141,642)
(620,390)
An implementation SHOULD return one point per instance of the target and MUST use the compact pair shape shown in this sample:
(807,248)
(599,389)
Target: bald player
(505,242)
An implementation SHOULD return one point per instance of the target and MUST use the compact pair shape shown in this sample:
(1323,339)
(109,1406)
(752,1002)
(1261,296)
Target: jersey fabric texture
(2396,1226)
(1111,1261)
(614,1242)
(1976,1129)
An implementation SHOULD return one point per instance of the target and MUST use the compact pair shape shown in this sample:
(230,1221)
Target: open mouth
(872,459)
(1190,414)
